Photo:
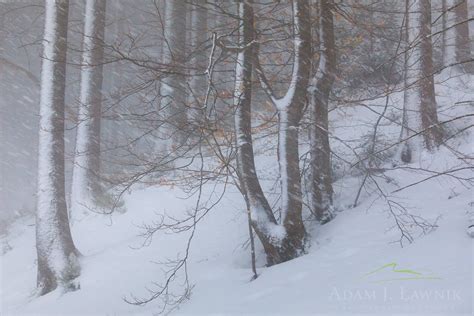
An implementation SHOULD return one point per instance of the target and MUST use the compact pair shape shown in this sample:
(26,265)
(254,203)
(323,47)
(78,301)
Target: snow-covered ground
(355,264)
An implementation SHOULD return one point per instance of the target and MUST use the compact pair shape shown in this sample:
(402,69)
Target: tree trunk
(263,220)
(319,91)
(406,152)
(444,25)
(291,195)
(199,61)
(286,241)
(86,188)
(421,110)
(290,110)
(173,87)
(462,38)
(290,114)
(428,107)
(57,255)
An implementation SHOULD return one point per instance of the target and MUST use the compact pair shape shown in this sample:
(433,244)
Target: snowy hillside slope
(355,265)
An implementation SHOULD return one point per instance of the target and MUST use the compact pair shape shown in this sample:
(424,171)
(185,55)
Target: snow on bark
(405,152)
(262,219)
(86,181)
(420,108)
(319,90)
(57,255)
(412,93)
(290,108)
(456,34)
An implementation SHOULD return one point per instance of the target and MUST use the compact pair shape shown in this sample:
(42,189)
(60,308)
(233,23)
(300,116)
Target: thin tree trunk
(57,255)
(199,60)
(444,25)
(428,106)
(462,39)
(290,114)
(291,195)
(319,91)
(262,218)
(173,87)
(421,108)
(290,110)
(86,188)
(406,152)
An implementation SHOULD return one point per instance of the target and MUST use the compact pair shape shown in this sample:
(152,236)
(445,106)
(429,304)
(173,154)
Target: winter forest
(236,157)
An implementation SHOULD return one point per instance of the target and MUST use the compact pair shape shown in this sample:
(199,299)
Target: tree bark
(406,152)
(262,218)
(421,109)
(444,25)
(290,115)
(86,188)
(282,242)
(173,87)
(290,109)
(428,107)
(462,38)
(57,255)
(319,91)
(199,61)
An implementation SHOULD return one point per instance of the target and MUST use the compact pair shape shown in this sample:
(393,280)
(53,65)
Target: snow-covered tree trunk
(263,220)
(290,110)
(173,87)
(462,36)
(199,60)
(319,90)
(428,106)
(406,152)
(86,188)
(421,107)
(57,255)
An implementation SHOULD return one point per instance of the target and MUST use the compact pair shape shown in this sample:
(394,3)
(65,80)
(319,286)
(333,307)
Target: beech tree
(263,220)
(199,60)
(86,188)
(421,113)
(57,256)
(173,86)
(285,241)
(319,91)
(462,37)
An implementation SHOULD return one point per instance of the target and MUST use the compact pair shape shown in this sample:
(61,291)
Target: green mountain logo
(390,273)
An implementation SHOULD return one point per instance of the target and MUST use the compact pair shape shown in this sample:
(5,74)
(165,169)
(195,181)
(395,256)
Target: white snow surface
(350,268)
